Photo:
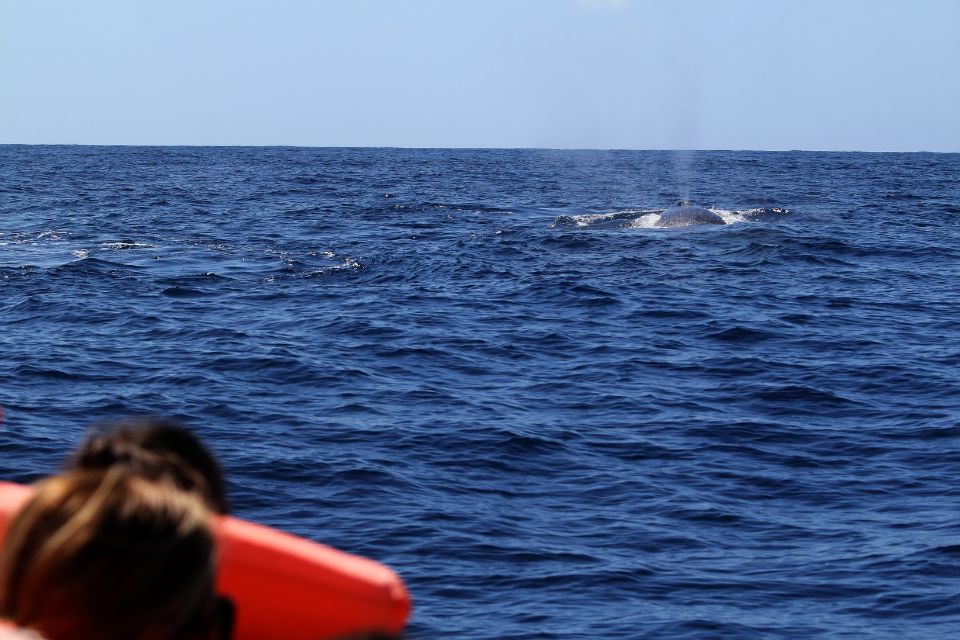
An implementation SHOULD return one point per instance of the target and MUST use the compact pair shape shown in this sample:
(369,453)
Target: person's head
(155,448)
(110,555)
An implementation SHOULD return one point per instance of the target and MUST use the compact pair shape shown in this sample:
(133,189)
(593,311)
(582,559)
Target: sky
(860,75)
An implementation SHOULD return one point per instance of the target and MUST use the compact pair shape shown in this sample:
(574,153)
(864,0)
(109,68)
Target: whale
(685,214)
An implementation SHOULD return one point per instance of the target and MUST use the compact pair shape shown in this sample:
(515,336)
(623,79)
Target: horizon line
(452,148)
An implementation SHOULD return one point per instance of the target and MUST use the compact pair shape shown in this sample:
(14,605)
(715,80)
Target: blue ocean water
(492,371)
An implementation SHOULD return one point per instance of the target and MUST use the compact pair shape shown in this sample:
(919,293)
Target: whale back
(683,214)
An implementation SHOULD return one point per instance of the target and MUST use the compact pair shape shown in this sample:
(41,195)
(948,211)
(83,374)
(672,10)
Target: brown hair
(109,555)
(155,447)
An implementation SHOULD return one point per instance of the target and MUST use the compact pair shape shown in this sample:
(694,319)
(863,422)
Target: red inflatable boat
(286,587)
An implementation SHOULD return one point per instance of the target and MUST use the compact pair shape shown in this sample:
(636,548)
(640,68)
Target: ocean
(490,370)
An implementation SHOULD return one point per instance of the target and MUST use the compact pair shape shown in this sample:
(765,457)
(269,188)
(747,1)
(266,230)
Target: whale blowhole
(685,213)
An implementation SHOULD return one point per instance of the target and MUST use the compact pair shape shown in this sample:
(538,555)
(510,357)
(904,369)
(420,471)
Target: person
(110,554)
(12,633)
(155,447)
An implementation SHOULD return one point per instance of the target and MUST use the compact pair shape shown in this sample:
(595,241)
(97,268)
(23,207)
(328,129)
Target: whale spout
(685,214)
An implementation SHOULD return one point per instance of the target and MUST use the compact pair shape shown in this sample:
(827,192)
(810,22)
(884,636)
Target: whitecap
(125,245)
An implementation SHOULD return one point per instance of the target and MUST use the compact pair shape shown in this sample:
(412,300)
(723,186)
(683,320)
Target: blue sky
(631,74)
